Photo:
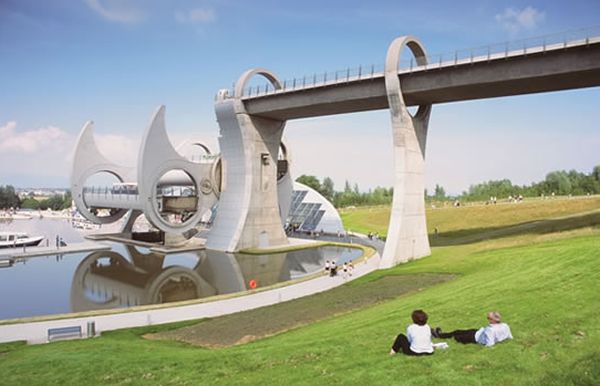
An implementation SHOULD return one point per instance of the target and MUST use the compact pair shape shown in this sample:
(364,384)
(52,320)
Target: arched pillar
(248,214)
(407,233)
(157,156)
(87,161)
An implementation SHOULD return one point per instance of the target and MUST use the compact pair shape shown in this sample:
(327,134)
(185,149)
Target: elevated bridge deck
(569,65)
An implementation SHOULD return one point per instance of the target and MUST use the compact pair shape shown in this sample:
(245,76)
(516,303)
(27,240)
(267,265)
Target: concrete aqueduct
(248,181)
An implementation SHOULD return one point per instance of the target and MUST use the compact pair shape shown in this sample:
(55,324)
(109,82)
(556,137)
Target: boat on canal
(18,239)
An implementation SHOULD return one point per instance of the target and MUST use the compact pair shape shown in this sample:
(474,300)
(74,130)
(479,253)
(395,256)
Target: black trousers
(461,336)
(402,344)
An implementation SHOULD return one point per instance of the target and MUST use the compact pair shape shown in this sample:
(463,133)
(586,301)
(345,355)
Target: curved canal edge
(90,324)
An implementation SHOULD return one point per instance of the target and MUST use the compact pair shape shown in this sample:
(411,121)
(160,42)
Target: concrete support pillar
(248,214)
(407,234)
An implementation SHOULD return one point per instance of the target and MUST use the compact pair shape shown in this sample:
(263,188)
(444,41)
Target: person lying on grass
(417,340)
(488,336)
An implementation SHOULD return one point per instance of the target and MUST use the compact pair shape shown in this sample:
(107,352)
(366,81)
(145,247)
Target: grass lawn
(474,219)
(544,281)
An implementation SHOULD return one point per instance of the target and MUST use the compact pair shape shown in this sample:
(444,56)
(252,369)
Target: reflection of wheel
(80,300)
(176,284)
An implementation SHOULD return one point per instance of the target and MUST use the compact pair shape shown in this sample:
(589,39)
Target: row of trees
(10,199)
(55,202)
(350,195)
(558,182)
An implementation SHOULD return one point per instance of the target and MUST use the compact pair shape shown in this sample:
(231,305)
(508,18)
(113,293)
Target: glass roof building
(310,211)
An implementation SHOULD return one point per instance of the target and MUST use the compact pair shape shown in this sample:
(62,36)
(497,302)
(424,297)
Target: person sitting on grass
(488,336)
(417,340)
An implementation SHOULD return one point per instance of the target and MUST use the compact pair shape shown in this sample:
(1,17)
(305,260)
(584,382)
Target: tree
(327,189)
(439,193)
(8,197)
(56,202)
(596,173)
(558,182)
(347,188)
(67,198)
(30,203)
(310,181)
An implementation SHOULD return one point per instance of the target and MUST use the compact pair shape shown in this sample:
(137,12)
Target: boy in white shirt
(488,336)
(417,340)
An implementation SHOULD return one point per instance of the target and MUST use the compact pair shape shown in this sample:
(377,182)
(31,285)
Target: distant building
(310,211)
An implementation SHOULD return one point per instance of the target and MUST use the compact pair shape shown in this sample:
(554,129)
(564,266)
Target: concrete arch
(249,74)
(248,205)
(157,156)
(87,161)
(407,233)
(191,142)
(203,146)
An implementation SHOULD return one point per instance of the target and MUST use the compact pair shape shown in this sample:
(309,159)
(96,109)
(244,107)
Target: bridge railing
(489,52)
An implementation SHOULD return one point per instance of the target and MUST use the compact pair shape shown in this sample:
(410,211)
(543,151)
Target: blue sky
(64,62)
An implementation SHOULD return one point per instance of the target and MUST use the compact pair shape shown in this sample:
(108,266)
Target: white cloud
(45,154)
(117,11)
(32,141)
(514,20)
(197,15)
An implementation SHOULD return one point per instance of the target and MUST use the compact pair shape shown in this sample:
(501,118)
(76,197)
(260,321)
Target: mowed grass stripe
(247,326)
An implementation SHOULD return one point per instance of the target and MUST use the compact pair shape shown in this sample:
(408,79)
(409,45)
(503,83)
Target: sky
(64,62)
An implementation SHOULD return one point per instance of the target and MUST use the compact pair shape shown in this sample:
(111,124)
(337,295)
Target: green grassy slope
(544,283)
(473,219)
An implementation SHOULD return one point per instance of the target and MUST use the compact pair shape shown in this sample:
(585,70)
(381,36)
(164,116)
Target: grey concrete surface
(249,213)
(9,253)
(554,69)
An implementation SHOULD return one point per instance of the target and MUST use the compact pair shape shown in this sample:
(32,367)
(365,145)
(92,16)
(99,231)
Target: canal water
(129,276)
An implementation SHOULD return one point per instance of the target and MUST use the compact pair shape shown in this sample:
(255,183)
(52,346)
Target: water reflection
(108,279)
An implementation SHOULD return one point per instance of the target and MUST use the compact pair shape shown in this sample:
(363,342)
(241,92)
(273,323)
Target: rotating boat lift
(250,184)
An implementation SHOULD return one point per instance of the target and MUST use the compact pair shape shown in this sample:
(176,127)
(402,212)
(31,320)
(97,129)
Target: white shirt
(492,334)
(419,338)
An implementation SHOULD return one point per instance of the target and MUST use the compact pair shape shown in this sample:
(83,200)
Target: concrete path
(20,252)
(37,331)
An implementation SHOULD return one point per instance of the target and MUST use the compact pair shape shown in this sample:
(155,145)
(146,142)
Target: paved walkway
(20,252)
(36,332)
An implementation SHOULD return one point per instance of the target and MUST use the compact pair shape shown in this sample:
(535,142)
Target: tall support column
(407,233)
(248,213)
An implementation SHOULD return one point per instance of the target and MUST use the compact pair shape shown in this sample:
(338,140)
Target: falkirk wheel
(248,181)
(175,193)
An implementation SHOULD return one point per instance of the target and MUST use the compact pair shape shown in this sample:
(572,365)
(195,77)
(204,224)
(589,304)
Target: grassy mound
(544,283)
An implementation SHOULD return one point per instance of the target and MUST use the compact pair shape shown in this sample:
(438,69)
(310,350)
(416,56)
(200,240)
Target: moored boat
(18,239)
